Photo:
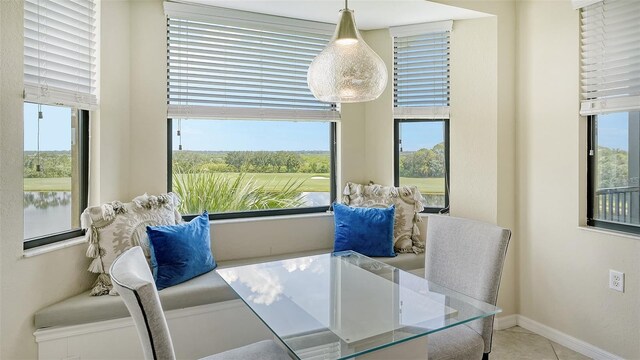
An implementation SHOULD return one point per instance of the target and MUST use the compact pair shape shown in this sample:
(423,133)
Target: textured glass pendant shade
(347,70)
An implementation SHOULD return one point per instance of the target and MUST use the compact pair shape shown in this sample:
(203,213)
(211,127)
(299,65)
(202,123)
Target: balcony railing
(620,205)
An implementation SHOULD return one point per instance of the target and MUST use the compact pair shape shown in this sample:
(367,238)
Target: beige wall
(378,116)
(148,86)
(1,164)
(474,119)
(112,149)
(481,181)
(564,269)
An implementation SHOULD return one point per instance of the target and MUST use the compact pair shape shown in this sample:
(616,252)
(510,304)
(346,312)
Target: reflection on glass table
(340,305)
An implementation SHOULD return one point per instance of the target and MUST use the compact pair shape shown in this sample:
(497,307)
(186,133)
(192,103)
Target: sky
(613,131)
(55,128)
(236,135)
(243,135)
(421,135)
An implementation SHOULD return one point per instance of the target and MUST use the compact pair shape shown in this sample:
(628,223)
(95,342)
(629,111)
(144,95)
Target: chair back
(467,256)
(134,282)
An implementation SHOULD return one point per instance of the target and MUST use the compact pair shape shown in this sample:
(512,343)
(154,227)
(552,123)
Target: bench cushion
(205,289)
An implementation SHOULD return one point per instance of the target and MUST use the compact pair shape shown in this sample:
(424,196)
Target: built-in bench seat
(205,289)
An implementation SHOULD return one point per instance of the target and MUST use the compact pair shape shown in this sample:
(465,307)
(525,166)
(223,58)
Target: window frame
(592,134)
(83,162)
(261,213)
(396,160)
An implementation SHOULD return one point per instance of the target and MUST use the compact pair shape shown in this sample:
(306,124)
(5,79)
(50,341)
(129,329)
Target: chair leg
(485,356)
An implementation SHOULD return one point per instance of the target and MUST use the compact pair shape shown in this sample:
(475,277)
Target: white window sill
(609,232)
(272,218)
(53,247)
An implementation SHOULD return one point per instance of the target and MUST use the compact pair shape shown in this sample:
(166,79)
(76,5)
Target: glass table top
(339,305)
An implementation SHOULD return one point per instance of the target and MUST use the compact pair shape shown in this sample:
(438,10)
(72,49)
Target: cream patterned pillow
(115,227)
(408,203)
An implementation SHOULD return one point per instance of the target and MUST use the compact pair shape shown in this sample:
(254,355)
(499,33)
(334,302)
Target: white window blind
(59,52)
(421,71)
(229,64)
(610,63)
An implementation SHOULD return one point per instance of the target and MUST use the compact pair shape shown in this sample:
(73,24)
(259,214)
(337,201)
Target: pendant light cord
(346,4)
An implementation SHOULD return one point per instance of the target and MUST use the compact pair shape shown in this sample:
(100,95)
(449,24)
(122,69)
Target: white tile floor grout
(519,343)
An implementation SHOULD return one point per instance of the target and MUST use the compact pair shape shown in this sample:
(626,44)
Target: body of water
(46,212)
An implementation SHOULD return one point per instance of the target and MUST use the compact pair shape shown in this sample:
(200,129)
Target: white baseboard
(505,322)
(554,335)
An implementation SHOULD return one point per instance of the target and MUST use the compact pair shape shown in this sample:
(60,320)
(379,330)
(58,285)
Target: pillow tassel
(91,237)
(346,193)
(415,236)
(347,189)
(85,220)
(118,208)
(96,266)
(418,245)
(101,286)
(93,251)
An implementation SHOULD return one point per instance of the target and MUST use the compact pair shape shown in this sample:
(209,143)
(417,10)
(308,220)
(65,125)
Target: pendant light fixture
(347,70)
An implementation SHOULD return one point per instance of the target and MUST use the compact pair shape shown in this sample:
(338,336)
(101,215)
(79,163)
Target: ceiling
(370,14)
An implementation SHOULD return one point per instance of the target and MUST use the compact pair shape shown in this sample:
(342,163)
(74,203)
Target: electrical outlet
(616,280)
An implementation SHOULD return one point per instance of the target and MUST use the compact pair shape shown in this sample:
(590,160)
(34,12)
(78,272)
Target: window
(421,110)
(55,172)
(610,42)
(614,171)
(252,168)
(247,137)
(59,90)
(422,159)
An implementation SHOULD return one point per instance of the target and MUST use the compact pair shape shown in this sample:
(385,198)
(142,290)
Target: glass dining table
(344,305)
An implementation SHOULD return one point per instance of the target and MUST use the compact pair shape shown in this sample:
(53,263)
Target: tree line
(251,161)
(613,168)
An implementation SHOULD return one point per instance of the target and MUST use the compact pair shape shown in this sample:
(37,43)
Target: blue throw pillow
(180,252)
(368,231)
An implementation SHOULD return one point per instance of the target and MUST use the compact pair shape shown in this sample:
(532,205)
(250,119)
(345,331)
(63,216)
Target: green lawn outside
(312,182)
(425,185)
(47,184)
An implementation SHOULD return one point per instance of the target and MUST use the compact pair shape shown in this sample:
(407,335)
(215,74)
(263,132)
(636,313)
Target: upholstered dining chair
(132,279)
(465,256)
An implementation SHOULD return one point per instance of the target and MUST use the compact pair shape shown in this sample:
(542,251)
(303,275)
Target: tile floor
(521,344)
